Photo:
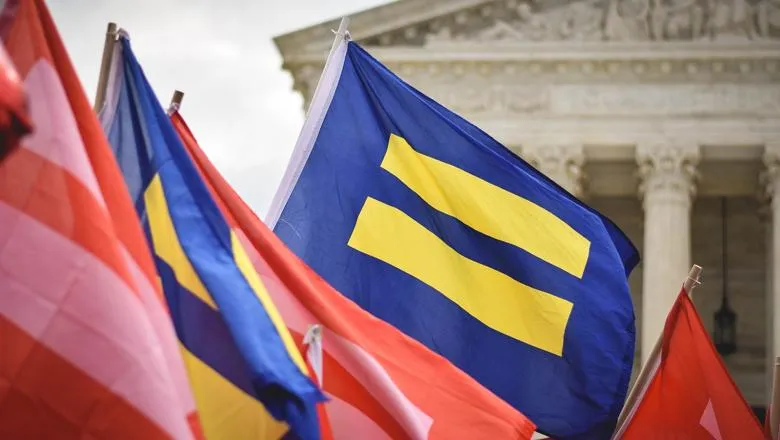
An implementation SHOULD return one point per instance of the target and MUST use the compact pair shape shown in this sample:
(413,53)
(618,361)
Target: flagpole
(105,66)
(175,105)
(341,34)
(641,381)
(315,114)
(774,407)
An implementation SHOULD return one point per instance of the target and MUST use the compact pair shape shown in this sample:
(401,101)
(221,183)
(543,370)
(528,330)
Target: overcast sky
(238,101)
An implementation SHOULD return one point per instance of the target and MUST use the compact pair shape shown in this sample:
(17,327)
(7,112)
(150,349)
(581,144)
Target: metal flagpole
(105,66)
(641,383)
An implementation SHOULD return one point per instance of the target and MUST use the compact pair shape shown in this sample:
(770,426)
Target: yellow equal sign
(529,315)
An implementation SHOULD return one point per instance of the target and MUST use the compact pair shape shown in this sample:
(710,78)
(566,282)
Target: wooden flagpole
(644,374)
(105,66)
(175,105)
(774,408)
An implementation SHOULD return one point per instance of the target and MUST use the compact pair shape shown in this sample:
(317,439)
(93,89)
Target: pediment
(432,23)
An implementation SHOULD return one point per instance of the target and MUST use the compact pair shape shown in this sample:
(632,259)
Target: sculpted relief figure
(627,20)
(630,20)
(768,14)
(697,19)
(731,17)
(678,19)
(581,20)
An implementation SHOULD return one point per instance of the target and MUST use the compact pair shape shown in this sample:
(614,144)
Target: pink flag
(87,348)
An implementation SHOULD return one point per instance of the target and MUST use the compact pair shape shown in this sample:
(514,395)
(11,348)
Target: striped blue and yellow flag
(241,360)
(431,225)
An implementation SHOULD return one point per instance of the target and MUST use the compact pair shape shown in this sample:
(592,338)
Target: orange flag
(691,394)
(87,347)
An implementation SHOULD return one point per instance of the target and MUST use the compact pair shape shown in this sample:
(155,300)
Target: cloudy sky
(238,101)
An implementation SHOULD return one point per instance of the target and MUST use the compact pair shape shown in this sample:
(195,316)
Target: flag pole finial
(342,31)
(692,281)
(175,105)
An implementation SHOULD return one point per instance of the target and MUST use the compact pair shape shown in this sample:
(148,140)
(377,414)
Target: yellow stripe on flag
(487,208)
(529,315)
(249,272)
(166,242)
(226,412)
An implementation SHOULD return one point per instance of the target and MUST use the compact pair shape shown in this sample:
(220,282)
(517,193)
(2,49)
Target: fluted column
(667,187)
(560,162)
(771,184)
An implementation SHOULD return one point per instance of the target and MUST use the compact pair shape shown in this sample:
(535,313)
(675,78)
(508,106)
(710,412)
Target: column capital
(769,178)
(560,161)
(667,170)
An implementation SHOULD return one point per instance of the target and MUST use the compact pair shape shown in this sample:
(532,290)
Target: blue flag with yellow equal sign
(242,362)
(431,225)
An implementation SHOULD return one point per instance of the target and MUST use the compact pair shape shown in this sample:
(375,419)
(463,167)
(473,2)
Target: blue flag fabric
(431,225)
(240,357)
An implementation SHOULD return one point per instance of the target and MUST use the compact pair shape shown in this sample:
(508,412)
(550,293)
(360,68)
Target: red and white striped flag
(87,348)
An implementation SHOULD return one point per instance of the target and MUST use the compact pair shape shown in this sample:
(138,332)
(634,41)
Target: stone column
(771,181)
(765,214)
(560,162)
(667,187)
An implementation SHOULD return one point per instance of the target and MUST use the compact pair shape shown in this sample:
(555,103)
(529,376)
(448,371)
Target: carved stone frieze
(473,95)
(667,171)
(491,99)
(668,99)
(602,20)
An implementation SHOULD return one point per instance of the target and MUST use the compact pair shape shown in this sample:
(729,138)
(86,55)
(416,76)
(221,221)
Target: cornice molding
(564,51)
(367,23)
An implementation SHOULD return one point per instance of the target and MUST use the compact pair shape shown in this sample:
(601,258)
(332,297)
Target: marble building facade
(652,111)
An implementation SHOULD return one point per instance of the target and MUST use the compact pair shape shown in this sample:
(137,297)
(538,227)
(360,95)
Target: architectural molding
(479,95)
(381,20)
(637,88)
(561,162)
(667,171)
(442,23)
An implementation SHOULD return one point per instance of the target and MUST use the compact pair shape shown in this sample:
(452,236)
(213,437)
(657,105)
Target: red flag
(87,348)
(381,383)
(691,394)
(14,121)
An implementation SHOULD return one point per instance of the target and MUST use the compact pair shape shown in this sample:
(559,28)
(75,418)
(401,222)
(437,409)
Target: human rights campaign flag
(431,225)
(241,360)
